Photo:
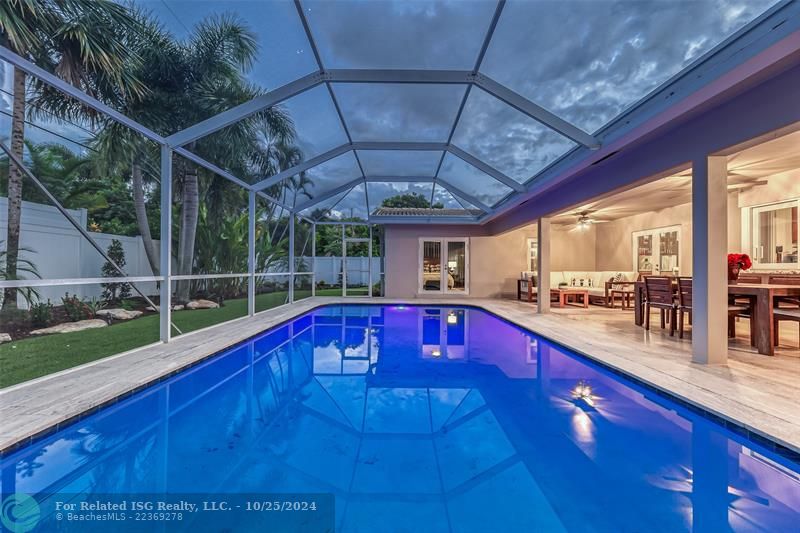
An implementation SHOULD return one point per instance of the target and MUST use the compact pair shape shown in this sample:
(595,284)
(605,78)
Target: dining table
(763,297)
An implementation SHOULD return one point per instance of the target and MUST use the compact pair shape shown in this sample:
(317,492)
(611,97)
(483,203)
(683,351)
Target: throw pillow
(619,276)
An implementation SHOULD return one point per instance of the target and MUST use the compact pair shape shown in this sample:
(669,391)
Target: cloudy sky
(585,61)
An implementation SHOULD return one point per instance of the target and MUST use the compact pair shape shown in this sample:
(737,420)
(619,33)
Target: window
(444,265)
(774,233)
(532,255)
(657,251)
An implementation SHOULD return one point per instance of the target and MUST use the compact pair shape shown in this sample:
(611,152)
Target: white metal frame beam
(536,112)
(455,191)
(400,145)
(247,109)
(415,76)
(406,146)
(70,90)
(318,58)
(348,186)
(301,167)
(400,179)
(774,24)
(476,68)
(183,152)
(486,169)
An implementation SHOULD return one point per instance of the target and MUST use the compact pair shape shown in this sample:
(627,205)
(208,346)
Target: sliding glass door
(444,266)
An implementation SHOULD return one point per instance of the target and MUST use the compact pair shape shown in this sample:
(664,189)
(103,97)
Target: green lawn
(38,356)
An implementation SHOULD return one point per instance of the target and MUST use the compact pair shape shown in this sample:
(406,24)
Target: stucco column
(543,265)
(709,263)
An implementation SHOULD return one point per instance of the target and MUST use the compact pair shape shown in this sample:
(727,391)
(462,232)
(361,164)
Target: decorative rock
(119,314)
(150,308)
(69,327)
(178,307)
(202,304)
(5,337)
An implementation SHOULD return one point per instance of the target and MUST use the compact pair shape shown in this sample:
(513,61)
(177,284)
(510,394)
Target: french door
(443,266)
(657,251)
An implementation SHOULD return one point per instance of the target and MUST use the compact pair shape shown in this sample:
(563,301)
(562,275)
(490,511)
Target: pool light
(436,353)
(452,318)
(583,391)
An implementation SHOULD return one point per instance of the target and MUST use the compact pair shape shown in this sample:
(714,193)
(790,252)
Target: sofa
(598,284)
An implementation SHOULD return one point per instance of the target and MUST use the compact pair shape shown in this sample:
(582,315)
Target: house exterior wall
(495,261)
(573,250)
(614,243)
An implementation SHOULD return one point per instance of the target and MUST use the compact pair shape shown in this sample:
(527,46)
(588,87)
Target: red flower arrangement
(739,261)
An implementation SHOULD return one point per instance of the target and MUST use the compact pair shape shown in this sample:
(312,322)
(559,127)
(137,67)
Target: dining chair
(658,293)
(783,314)
(734,310)
(684,302)
(793,301)
(790,310)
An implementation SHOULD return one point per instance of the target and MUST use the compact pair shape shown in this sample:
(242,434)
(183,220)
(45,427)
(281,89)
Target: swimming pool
(420,418)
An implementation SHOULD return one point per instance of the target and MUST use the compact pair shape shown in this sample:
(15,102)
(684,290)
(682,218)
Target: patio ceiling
(468,103)
(748,168)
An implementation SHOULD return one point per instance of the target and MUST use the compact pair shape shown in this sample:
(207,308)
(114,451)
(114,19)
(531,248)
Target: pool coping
(278,316)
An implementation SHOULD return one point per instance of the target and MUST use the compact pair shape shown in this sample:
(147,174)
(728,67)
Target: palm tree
(78,41)
(190,81)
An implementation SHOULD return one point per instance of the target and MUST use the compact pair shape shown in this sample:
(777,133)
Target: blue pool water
(422,419)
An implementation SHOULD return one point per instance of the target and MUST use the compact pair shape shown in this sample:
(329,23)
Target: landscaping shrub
(74,307)
(41,314)
(92,306)
(113,292)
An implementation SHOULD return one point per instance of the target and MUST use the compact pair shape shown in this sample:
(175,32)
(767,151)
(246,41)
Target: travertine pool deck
(760,393)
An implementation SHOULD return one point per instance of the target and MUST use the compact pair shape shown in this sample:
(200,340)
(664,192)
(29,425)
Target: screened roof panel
(399,162)
(318,211)
(448,201)
(472,181)
(398,34)
(378,192)
(283,52)
(353,206)
(250,149)
(615,52)
(588,61)
(316,123)
(321,179)
(505,138)
(398,111)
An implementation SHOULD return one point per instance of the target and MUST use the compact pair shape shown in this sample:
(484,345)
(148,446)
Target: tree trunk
(15,177)
(141,217)
(189,214)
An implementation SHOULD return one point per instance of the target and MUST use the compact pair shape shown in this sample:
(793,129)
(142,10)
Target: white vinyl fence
(59,251)
(329,269)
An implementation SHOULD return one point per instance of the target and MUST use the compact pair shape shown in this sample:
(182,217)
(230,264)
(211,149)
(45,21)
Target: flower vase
(733,274)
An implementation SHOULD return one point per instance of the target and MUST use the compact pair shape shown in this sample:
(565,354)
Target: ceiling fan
(584,221)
